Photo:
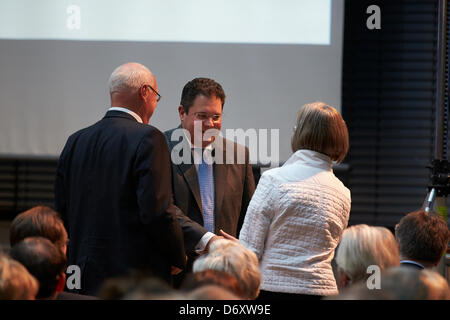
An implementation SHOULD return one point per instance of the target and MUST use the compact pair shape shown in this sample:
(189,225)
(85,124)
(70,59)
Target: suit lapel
(190,175)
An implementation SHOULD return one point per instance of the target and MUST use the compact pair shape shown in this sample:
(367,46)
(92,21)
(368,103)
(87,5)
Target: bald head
(128,87)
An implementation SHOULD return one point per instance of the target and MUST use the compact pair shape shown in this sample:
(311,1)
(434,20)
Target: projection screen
(56,57)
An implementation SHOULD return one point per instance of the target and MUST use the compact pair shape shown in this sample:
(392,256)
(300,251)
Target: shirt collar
(134,114)
(412,262)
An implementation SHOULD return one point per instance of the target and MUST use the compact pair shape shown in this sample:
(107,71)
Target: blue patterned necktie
(206,181)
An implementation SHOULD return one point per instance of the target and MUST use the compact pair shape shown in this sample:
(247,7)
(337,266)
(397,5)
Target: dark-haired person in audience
(39,221)
(297,215)
(422,239)
(16,283)
(45,262)
(113,188)
(43,221)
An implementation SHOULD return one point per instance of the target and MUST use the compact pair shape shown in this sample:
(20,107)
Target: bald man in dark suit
(113,188)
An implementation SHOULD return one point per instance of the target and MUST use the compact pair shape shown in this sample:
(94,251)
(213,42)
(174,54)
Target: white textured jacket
(294,223)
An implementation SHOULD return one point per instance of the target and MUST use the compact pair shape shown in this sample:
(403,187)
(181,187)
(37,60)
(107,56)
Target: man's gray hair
(236,259)
(129,77)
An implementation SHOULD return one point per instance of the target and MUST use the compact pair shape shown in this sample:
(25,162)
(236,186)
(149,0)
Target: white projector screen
(56,57)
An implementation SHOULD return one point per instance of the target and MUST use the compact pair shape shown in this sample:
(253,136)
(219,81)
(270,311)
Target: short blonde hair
(321,128)
(16,283)
(362,246)
(235,259)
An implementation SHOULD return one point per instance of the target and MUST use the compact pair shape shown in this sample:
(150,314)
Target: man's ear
(144,92)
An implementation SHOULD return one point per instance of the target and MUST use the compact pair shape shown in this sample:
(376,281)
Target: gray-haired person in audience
(363,246)
(235,259)
(422,239)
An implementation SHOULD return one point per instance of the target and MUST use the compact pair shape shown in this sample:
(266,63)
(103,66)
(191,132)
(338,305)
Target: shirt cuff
(201,245)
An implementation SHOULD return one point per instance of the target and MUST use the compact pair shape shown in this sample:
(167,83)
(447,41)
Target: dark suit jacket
(113,190)
(234,187)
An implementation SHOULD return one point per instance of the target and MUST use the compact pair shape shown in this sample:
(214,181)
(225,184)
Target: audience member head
(362,246)
(235,259)
(45,262)
(422,237)
(40,221)
(137,285)
(400,283)
(211,277)
(211,292)
(202,102)
(16,283)
(134,87)
(321,128)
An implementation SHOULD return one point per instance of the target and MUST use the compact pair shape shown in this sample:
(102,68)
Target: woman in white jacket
(298,212)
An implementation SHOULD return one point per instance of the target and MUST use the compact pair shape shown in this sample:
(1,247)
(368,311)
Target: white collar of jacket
(123,109)
(310,158)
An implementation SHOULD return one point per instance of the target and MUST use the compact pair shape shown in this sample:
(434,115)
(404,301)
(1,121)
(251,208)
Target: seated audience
(399,283)
(235,259)
(40,221)
(45,262)
(422,239)
(298,212)
(16,283)
(362,246)
(43,221)
(211,277)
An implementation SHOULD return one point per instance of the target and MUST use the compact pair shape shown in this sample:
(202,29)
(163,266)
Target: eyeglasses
(204,116)
(158,95)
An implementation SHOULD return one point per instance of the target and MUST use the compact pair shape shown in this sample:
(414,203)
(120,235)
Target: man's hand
(228,236)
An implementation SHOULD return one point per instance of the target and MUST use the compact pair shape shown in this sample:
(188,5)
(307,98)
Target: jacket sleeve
(154,196)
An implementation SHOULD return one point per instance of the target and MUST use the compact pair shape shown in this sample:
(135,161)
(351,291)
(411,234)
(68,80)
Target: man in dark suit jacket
(113,188)
(232,184)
